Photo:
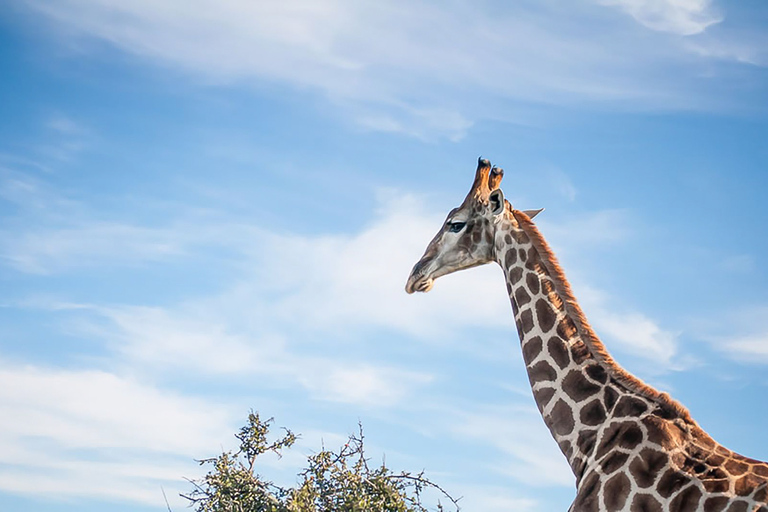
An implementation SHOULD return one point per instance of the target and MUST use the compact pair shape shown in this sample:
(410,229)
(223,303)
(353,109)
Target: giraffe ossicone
(631,448)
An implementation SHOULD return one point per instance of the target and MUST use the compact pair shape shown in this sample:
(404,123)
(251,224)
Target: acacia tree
(340,481)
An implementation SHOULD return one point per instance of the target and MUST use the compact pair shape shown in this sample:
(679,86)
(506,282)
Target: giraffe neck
(577,386)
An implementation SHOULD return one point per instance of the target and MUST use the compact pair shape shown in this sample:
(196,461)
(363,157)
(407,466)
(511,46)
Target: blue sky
(213,207)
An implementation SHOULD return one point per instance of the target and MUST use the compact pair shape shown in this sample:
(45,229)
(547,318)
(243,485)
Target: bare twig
(168,505)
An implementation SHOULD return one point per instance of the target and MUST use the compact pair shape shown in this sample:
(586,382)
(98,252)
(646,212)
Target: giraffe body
(630,447)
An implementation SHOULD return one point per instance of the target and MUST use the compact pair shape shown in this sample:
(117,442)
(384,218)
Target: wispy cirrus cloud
(91,433)
(203,337)
(740,335)
(683,17)
(526,451)
(424,69)
(630,331)
(752,349)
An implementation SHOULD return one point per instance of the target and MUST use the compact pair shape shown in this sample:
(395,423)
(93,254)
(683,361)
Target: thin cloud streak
(67,433)
(631,332)
(740,336)
(516,433)
(201,339)
(682,17)
(752,349)
(426,70)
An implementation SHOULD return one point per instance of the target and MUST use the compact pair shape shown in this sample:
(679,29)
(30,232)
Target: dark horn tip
(497,171)
(483,162)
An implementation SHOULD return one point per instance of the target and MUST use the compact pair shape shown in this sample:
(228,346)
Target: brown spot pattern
(586,441)
(671,482)
(559,352)
(510,259)
(526,321)
(715,504)
(578,387)
(542,372)
(521,297)
(721,485)
(532,280)
(587,498)
(735,467)
(542,396)
(630,407)
(545,315)
(738,506)
(561,418)
(597,373)
(645,503)
(687,501)
(614,462)
(610,397)
(592,414)
(531,349)
(616,492)
(625,435)
(647,466)
(746,485)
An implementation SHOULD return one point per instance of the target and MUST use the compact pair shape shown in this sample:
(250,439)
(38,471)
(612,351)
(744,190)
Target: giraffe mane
(593,343)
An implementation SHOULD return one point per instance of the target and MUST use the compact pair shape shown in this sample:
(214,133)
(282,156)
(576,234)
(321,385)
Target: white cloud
(748,349)
(421,68)
(365,384)
(590,228)
(495,499)
(629,331)
(74,408)
(34,199)
(683,17)
(200,338)
(91,433)
(737,332)
(638,335)
(526,450)
(734,48)
(46,251)
(65,125)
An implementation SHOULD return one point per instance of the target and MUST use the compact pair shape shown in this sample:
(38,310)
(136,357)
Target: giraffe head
(466,238)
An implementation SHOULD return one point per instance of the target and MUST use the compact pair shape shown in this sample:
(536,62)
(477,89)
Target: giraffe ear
(532,213)
(497,201)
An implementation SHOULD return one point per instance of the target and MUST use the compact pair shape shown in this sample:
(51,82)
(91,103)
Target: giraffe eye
(455,227)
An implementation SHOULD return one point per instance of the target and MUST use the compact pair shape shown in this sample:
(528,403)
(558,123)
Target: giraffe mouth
(421,284)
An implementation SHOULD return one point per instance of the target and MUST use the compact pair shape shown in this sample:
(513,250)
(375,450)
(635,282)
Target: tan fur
(595,346)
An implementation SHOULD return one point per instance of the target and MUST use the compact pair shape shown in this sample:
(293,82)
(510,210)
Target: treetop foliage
(333,481)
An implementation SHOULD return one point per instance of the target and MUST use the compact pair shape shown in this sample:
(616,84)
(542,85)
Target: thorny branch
(340,481)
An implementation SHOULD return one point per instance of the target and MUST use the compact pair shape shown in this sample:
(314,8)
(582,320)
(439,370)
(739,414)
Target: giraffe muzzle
(419,285)
(419,280)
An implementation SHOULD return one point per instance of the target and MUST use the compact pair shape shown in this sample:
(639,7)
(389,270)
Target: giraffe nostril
(419,269)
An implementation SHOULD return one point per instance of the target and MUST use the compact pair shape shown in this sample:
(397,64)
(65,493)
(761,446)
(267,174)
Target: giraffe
(630,447)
